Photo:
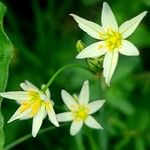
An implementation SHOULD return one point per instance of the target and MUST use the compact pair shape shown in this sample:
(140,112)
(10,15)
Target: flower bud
(80,46)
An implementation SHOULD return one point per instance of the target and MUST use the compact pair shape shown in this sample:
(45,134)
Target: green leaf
(5,56)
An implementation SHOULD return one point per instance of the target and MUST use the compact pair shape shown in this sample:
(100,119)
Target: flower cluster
(37,104)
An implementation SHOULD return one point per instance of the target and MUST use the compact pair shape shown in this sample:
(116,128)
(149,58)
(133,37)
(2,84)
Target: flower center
(34,102)
(113,39)
(80,112)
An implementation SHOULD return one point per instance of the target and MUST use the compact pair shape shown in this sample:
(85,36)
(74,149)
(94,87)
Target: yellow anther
(113,39)
(80,113)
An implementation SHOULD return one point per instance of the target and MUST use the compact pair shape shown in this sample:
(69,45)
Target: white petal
(108,18)
(92,123)
(37,121)
(15,95)
(52,116)
(84,94)
(128,27)
(75,127)
(128,49)
(95,106)
(43,96)
(68,99)
(28,86)
(94,50)
(64,117)
(19,115)
(89,27)
(109,64)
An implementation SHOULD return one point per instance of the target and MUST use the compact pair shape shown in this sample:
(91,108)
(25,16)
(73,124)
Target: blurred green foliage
(44,37)
(6,49)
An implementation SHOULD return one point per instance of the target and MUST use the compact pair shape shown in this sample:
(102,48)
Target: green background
(44,38)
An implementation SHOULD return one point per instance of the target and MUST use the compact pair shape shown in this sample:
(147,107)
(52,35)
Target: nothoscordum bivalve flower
(112,39)
(34,104)
(80,110)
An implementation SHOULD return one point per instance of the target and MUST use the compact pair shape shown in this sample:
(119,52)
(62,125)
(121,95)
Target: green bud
(95,64)
(80,46)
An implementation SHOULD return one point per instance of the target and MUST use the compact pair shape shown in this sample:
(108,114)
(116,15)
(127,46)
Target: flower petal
(94,50)
(92,123)
(37,121)
(52,115)
(128,27)
(108,18)
(64,117)
(15,95)
(28,86)
(109,65)
(75,127)
(19,115)
(84,94)
(68,99)
(128,49)
(95,106)
(89,27)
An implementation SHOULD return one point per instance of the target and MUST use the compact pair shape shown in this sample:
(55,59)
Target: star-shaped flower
(80,110)
(34,104)
(112,39)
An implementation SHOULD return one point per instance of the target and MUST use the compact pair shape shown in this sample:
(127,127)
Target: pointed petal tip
(100,127)
(107,82)
(71,14)
(105,3)
(34,135)
(63,91)
(103,101)
(78,57)
(86,82)
(2,94)
(145,12)
(56,124)
(9,121)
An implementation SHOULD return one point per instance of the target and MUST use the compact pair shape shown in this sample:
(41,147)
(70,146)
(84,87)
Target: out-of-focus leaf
(124,70)
(146,2)
(5,56)
(139,144)
(142,120)
(117,100)
(120,145)
(89,2)
(143,31)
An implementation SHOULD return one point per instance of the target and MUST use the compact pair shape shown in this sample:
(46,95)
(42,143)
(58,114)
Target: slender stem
(28,136)
(57,73)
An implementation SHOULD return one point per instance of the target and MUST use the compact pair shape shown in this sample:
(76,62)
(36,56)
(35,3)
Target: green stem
(28,136)
(57,73)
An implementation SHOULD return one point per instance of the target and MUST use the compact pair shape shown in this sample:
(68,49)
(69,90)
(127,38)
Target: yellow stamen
(48,106)
(33,102)
(80,112)
(113,39)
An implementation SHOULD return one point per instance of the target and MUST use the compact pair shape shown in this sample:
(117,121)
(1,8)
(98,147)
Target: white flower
(34,104)
(80,110)
(112,39)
